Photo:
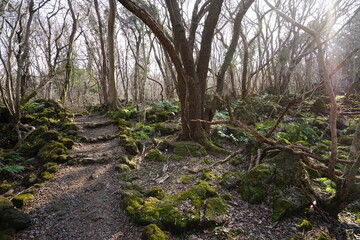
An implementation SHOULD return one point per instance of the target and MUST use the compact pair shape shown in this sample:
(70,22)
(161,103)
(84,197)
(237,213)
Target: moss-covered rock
(207,176)
(50,167)
(122,168)
(281,208)
(127,176)
(129,144)
(163,144)
(164,129)
(282,177)
(21,199)
(4,188)
(68,142)
(156,192)
(122,123)
(189,149)
(50,135)
(5,202)
(12,218)
(177,212)
(45,176)
(31,146)
(215,209)
(69,128)
(29,180)
(133,186)
(231,180)
(53,152)
(153,232)
(253,193)
(155,156)
(305,226)
(127,160)
(319,107)
(186,179)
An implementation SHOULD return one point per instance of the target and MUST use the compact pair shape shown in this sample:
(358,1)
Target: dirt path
(81,201)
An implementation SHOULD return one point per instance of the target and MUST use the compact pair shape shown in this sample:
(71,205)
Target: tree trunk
(113,101)
(68,64)
(104,67)
(21,65)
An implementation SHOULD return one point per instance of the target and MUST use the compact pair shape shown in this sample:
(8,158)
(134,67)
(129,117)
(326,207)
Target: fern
(13,168)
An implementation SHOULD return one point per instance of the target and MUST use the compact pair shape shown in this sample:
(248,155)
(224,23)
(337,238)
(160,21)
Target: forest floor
(82,201)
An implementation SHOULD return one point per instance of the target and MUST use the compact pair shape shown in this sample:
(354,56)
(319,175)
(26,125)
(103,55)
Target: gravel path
(81,202)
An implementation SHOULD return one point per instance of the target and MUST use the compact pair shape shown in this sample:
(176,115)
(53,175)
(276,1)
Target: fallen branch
(281,116)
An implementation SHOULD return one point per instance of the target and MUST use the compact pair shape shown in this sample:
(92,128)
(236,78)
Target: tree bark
(104,67)
(68,64)
(113,101)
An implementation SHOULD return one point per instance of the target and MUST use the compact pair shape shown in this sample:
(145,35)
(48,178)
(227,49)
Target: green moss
(176,157)
(45,176)
(163,144)
(4,188)
(215,209)
(155,156)
(227,197)
(50,167)
(66,127)
(177,212)
(122,123)
(153,232)
(122,168)
(127,176)
(29,180)
(127,160)
(231,180)
(237,160)
(203,190)
(323,236)
(305,225)
(319,107)
(207,176)
(5,202)
(189,149)
(133,186)
(129,144)
(156,192)
(281,208)
(313,173)
(164,129)
(53,152)
(21,199)
(68,143)
(50,135)
(148,212)
(253,194)
(186,179)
